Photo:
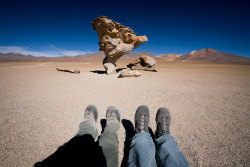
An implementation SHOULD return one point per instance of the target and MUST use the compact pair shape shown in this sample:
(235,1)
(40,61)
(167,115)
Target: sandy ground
(40,108)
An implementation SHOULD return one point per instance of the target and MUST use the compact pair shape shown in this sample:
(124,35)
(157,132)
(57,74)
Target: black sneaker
(141,119)
(162,121)
(112,115)
(90,115)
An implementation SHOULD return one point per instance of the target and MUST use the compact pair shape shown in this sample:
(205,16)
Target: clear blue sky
(63,27)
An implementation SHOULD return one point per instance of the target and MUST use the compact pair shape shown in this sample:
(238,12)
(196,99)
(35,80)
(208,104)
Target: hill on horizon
(16,57)
(207,55)
(5,57)
(213,56)
(169,57)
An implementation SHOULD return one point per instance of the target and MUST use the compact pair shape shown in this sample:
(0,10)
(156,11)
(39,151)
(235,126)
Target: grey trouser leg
(109,143)
(168,153)
(86,128)
(142,151)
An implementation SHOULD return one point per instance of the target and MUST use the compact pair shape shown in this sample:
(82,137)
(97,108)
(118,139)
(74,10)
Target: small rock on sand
(130,73)
(76,71)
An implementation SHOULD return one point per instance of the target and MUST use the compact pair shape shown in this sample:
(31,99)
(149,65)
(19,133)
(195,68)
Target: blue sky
(58,28)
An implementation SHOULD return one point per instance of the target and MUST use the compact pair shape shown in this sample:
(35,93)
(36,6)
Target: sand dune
(41,108)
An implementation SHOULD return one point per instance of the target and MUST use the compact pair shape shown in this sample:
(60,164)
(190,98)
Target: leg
(167,150)
(109,138)
(142,149)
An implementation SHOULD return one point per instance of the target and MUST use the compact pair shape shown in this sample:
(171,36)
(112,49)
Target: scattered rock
(76,71)
(143,63)
(115,39)
(127,73)
(147,61)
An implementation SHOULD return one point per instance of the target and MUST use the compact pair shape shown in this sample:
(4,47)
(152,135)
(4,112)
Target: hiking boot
(141,119)
(90,115)
(163,122)
(112,115)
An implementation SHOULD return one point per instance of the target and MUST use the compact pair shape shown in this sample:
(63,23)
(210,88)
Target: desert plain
(41,108)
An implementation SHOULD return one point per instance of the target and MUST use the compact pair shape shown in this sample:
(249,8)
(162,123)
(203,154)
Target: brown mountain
(97,56)
(169,57)
(213,56)
(202,55)
(16,57)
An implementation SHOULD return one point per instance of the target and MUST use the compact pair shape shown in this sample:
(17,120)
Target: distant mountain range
(169,57)
(16,57)
(213,56)
(207,55)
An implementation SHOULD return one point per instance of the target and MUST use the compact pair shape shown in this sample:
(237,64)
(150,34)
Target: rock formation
(76,71)
(115,40)
(129,73)
(143,63)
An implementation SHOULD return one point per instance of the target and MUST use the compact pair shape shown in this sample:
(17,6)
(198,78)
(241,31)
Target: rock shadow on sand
(99,72)
(104,72)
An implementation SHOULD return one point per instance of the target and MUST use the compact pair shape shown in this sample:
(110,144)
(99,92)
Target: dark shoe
(162,121)
(141,119)
(112,115)
(90,115)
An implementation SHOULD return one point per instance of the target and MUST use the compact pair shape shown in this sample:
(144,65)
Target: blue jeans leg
(168,153)
(142,151)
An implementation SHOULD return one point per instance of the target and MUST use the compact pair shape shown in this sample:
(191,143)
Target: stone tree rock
(143,63)
(115,40)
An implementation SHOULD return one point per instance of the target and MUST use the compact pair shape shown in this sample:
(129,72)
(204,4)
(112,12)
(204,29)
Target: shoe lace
(164,125)
(111,118)
(89,118)
(141,123)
